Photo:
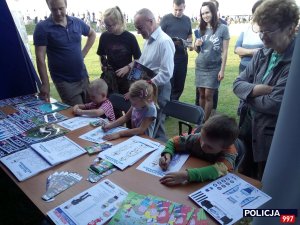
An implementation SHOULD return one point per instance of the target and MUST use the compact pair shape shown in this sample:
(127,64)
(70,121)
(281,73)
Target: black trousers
(179,75)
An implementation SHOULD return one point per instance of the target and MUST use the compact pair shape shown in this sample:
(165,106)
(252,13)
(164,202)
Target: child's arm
(131,132)
(90,112)
(224,164)
(177,144)
(77,108)
(87,109)
(120,121)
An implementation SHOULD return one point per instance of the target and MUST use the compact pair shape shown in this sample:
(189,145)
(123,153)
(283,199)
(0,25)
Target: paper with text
(151,164)
(128,152)
(95,205)
(25,164)
(98,133)
(58,150)
(77,122)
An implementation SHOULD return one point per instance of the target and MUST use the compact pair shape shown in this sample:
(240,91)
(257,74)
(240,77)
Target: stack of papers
(128,152)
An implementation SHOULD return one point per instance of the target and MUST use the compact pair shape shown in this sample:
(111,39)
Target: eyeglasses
(256,29)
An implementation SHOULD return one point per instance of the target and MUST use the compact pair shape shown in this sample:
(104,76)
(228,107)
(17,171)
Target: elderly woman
(261,85)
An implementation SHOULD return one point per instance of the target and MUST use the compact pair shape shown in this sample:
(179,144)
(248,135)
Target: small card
(96,148)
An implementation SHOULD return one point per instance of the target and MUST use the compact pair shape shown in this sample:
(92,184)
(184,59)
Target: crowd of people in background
(265,48)
(96,18)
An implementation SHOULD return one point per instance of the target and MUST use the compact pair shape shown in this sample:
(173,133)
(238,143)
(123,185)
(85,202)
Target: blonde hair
(144,90)
(98,85)
(116,15)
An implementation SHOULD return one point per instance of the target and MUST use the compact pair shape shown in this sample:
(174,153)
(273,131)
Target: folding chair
(119,103)
(185,112)
(241,149)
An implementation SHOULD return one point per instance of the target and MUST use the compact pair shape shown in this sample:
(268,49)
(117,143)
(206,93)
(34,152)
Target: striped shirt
(106,106)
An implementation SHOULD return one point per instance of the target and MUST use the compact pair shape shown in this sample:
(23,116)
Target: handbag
(110,77)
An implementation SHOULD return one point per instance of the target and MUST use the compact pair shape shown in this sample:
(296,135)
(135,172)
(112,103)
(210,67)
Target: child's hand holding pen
(164,161)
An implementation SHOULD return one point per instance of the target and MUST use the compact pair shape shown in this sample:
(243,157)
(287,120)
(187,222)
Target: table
(130,179)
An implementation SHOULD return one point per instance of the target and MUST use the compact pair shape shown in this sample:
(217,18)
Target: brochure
(151,163)
(41,156)
(128,152)
(25,164)
(225,198)
(58,150)
(139,71)
(95,205)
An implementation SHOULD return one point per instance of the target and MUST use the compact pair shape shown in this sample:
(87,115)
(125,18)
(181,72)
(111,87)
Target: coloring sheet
(77,122)
(95,205)
(226,197)
(128,152)
(151,163)
(97,134)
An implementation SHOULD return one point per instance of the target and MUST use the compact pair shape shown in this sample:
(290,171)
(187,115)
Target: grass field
(227,100)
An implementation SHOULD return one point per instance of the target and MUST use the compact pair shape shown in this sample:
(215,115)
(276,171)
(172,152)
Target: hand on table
(174,178)
(109,137)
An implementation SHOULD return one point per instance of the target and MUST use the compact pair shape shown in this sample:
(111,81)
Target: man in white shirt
(158,55)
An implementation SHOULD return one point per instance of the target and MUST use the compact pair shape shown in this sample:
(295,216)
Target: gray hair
(146,13)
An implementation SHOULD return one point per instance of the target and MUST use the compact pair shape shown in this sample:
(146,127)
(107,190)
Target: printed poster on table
(95,205)
(151,164)
(98,133)
(128,152)
(225,198)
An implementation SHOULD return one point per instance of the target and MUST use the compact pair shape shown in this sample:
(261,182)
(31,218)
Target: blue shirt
(250,40)
(64,54)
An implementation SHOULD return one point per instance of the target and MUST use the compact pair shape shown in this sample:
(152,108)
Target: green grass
(228,102)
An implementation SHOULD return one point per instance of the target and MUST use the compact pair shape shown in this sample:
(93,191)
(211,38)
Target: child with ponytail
(142,96)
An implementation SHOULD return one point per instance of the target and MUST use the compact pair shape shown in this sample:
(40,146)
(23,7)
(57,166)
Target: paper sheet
(95,205)
(97,134)
(77,122)
(226,197)
(128,152)
(151,164)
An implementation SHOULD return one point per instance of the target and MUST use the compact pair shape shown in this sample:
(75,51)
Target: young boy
(214,144)
(100,105)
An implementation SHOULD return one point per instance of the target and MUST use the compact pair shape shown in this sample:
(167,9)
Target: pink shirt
(106,106)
